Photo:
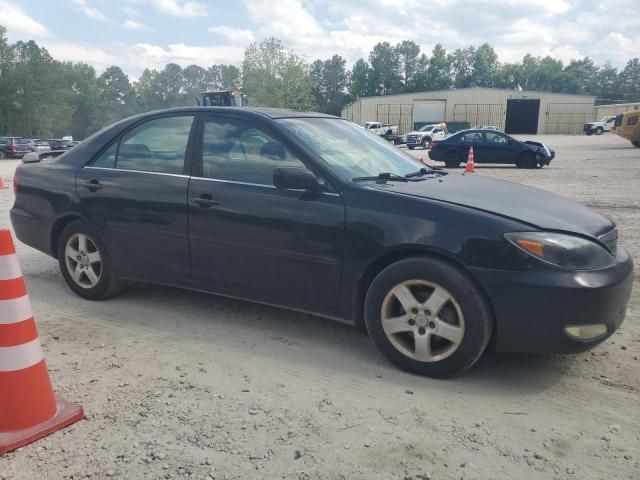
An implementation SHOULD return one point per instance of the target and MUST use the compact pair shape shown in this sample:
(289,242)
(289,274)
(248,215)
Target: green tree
(461,61)
(116,96)
(484,66)
(439,70)
(275,77)
(629,80)
(329,79)
(408,55)
(384,76)
(359,79)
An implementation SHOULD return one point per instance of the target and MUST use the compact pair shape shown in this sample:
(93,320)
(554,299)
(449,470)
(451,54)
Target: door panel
(135,194)
(252,238)
(260,240)
(143,219)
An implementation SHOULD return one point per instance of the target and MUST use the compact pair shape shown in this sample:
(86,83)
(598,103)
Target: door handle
(204,201)
(92,185)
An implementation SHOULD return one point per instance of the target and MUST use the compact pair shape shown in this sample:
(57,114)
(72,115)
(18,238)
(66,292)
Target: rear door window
(158,146)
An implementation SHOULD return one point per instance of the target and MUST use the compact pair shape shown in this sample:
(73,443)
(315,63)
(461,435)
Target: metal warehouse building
(510,110)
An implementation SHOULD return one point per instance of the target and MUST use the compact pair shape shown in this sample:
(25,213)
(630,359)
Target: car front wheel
(452,160)
(428,317)
(85,262)
(599,131)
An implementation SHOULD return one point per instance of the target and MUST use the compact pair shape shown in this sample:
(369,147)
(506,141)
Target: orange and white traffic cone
(471,163)
(2,185)
(29,409)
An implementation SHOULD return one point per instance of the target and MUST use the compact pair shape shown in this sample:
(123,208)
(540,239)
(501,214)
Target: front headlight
(565,251)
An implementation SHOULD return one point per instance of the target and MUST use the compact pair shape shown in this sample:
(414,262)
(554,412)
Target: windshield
(426,128)
(348,150)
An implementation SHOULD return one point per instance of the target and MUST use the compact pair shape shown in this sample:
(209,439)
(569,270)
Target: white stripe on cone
(21,356)
(15,310)
(9,267)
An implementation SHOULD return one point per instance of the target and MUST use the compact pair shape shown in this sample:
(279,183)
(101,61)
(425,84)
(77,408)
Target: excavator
(222,98)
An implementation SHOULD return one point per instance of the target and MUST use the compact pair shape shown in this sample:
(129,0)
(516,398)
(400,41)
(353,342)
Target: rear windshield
(21,141)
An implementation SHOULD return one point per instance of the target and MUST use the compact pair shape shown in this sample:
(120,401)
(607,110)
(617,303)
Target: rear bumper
(532,309)
(31,230)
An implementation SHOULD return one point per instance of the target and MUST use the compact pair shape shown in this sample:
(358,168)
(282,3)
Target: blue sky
(135,34)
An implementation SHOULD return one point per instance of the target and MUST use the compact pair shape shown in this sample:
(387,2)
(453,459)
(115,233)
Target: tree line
(44,97)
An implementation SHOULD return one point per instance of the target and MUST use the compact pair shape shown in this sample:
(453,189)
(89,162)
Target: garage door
(428,111)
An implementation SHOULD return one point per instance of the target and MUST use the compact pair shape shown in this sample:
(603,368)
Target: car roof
(264,111)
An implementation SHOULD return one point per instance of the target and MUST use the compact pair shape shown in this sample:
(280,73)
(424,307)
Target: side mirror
(294,178)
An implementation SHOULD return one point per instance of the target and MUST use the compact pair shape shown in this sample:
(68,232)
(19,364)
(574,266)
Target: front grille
(412,139)
(610,240)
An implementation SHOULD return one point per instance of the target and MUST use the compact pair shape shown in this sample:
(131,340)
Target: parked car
(38,145)
(60,144)
(490,147)
(605,124)
(425,135)
(383,129)
(13,147)
(486,127)
(309,212)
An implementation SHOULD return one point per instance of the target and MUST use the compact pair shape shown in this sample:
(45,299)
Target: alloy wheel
(83,260)
(422,320)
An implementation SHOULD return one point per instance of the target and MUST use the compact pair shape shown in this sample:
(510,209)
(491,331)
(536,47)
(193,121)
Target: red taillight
(16,182)
(434,145)
(13,146)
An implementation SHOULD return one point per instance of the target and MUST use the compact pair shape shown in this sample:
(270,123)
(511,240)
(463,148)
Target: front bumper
(532,308)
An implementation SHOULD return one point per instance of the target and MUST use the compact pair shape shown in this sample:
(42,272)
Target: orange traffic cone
(471,164)
(2,185)
(28,408)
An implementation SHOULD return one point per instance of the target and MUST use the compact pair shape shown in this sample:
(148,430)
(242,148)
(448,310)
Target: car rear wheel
(599,131)
(428,317)
(85,262)
(452,160)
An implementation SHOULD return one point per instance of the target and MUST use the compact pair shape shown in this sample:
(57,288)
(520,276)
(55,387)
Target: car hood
(526,204)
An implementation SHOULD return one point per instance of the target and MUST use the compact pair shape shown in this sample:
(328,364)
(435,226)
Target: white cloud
(90,11)
(233,35)
(178,8)
(156,56)
(133,25)
(19,24)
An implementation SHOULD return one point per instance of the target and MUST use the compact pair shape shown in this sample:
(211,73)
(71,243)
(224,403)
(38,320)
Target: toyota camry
(310,212)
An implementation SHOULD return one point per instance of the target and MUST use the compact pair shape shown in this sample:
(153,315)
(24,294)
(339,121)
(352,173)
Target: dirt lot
(185,385)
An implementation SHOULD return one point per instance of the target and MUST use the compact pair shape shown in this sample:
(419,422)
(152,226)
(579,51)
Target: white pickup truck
(383,129)
(605,124)
(426,134)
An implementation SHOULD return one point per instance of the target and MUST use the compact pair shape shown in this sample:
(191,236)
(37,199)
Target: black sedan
(490,146)
(310,212)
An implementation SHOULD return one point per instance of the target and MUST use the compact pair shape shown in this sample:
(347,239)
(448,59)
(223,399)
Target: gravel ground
(179,384)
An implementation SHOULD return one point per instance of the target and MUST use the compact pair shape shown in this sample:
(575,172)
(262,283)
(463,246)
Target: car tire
(526,160)
(410,147)
(426,144)
(89,272)
(428,317)
(599,131)
(452,160)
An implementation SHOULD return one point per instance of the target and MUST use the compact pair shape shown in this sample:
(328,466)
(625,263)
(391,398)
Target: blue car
(490,146)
